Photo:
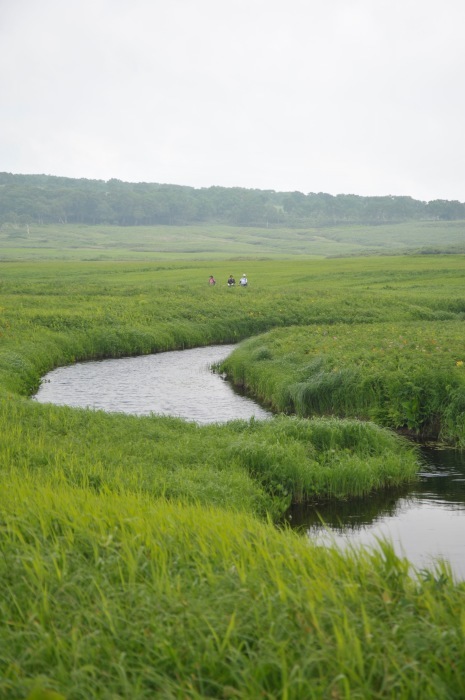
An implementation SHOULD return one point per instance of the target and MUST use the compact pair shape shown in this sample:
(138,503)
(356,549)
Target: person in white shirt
(243,281)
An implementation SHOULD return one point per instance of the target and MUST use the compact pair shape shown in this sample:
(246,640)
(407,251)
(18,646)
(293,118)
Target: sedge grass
(133,562)
(259,467)
(115,595)
(402,375)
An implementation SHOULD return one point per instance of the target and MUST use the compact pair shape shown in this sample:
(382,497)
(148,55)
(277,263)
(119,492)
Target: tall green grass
(323,458)
(116,596)
(139,558)
(258,467)
(402,375)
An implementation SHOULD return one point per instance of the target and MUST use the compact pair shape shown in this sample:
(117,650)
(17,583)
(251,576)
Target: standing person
(212,280)
(243,281)
(231,281)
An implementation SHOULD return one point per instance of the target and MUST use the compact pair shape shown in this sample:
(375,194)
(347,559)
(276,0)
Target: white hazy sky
(341,96)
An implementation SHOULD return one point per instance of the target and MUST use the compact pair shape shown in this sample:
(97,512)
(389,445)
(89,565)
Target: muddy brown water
(424,521)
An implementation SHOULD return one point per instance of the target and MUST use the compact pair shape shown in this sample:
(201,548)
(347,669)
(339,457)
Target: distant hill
(46,199)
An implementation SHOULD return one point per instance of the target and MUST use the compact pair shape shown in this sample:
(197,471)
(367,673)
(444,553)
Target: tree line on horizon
(48,199)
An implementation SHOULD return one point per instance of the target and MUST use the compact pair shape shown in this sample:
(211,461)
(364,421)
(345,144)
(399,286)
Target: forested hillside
(44,199)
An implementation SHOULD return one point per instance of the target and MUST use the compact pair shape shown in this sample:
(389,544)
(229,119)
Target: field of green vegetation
(143,557)
(402,375)
(210,242)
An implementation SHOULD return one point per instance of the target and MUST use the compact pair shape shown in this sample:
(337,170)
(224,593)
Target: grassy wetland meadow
(143,557)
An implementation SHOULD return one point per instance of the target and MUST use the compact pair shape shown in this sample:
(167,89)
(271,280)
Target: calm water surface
(180,383)
(424,521)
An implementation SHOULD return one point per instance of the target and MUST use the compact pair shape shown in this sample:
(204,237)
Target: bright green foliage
(403,375)
(258,467)
(136,556)
(323,458)
(115,595)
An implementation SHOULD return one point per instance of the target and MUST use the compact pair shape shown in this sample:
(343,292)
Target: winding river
(179,383)
(424,521)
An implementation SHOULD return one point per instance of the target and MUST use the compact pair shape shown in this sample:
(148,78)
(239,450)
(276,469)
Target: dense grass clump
(323,458)
(409,375)
(258,467)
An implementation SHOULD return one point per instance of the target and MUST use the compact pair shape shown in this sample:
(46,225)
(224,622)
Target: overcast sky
(341,96)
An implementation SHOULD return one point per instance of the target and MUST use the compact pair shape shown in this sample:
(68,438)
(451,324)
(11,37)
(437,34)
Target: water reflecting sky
(424,521)
(179,383)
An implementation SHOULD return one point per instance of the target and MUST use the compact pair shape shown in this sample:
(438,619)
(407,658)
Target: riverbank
(408,376)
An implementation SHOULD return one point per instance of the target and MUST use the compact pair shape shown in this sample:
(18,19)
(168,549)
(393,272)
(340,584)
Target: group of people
(231,281)
(242,281)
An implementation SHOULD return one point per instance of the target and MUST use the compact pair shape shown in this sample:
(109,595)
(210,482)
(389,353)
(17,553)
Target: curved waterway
(424,521)
(180,383)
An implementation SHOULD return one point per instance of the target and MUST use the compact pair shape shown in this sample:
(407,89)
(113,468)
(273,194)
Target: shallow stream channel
(424,521)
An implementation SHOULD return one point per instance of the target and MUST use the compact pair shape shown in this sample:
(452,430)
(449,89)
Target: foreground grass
(118,596)
(139,558)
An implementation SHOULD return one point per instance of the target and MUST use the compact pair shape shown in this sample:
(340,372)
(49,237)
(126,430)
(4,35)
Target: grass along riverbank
(137,561)
(259,467)
(408,376)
